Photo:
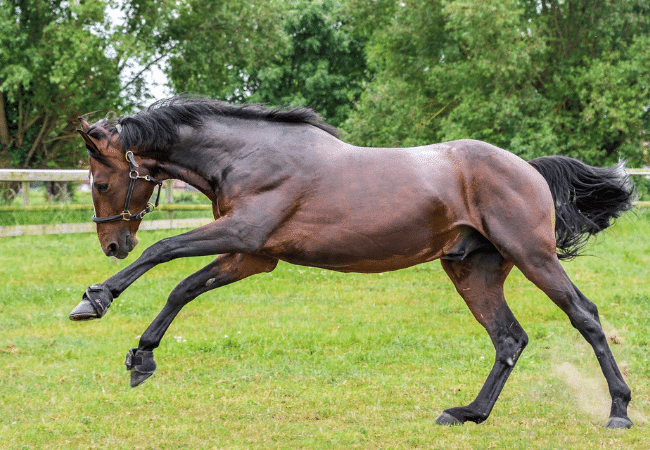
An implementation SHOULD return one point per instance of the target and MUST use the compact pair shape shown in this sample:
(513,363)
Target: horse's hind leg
(550,277)
(226,269)
(479,280)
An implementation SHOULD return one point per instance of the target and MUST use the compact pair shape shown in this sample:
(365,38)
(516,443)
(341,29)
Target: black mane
(157,125)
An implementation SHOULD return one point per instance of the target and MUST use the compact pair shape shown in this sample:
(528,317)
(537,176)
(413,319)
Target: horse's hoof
(141,364)
(94,303)
(447,419)
(615,423)
(83,311)
(137,378)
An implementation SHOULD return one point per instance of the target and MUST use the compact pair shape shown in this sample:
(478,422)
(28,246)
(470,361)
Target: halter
(134,176)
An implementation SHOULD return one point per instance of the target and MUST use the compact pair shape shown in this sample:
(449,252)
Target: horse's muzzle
(120,249)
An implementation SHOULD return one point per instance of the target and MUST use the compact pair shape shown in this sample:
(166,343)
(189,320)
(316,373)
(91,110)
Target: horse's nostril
(111,249)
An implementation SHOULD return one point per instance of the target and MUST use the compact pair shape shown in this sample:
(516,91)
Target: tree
(322,67)
(533,77)
(49,59)
(217,43)
(244,53)
(399,107)
(53,67)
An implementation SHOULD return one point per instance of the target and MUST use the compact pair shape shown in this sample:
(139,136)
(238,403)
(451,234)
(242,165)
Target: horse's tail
(587,199)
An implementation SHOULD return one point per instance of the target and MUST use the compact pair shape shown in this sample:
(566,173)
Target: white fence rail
(25,176)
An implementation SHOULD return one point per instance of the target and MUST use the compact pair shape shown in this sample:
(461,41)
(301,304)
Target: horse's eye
(102,187)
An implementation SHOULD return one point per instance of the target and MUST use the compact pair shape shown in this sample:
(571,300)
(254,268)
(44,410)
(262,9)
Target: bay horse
(284,187)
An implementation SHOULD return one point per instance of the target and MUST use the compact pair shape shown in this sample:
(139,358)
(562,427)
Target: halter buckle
(131,159)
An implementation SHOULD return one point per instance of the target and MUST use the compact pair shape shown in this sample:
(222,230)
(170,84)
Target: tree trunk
(8,191)
(38,140)
(59,191)
(4,128)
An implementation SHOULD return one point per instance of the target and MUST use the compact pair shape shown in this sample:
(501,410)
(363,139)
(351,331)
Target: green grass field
(304,358)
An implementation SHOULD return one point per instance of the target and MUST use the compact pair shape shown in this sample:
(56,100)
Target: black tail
(586,199)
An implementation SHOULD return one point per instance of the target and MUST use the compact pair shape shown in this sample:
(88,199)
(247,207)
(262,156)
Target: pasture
(305,358)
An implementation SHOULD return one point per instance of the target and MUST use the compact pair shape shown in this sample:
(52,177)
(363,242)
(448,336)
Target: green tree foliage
(218,43)
(536,77)
(57,62)
(277,52)
(323,66)
(553,77)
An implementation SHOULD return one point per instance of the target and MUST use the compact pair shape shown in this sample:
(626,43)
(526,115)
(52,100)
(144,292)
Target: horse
(284,187)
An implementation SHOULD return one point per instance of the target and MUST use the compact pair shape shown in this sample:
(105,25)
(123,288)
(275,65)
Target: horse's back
(463,180)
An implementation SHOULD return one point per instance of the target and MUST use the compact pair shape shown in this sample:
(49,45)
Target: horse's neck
(205,149)
(202,156)
(231,144)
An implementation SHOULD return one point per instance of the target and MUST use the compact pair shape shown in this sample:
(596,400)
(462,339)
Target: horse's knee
(160,252)
(183,292)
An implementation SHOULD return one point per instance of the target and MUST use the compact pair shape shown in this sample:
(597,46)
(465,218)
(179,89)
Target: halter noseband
(134,176)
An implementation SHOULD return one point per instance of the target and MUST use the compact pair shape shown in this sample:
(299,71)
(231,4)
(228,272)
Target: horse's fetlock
(141,365)
(625,394)
(140,360)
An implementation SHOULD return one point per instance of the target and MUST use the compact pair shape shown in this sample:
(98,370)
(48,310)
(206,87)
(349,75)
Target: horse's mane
(157,125)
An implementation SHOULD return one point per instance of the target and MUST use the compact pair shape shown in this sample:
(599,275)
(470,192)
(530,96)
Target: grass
(305,358)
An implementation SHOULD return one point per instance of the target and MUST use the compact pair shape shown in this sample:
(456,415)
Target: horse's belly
(371,266)
(346,250)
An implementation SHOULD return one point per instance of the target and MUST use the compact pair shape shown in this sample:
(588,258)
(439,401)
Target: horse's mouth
(121,255)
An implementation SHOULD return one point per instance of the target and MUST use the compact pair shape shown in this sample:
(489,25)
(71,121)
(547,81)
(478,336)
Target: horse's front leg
(227,235)
(224,270)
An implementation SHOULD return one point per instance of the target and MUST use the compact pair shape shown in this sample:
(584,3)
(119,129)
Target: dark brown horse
(283,187)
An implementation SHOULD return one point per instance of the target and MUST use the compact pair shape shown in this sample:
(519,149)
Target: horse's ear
(84,123)
(89,142)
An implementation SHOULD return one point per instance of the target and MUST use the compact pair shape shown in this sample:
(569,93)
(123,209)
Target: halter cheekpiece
(134,176)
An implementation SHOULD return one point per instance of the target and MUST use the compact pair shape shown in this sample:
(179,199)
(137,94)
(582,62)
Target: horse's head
(119,185)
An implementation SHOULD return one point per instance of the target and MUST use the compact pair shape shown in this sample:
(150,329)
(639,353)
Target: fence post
(169,196)
(25,193)
(169,192)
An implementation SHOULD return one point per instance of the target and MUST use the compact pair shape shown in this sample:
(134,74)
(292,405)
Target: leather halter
(134,176)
